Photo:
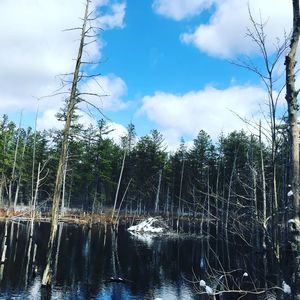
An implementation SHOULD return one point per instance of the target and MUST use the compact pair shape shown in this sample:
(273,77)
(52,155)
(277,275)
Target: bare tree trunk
(20,175)
(217,203)
(3,255)
(4,245)
(1,187)
(194,201)
(118,187)
(38,181)
(228,207)
(291,98)
(229,196)
(157,193)
(94,200)
(62,209)
(29,250)
(70,189)
(121,202)
(255,208)
(61,224)
(12,181)
(168,200)
(47,275)
(264,193)
(33,158)
(3,176)
(17,239)
(208,207)
(180,192)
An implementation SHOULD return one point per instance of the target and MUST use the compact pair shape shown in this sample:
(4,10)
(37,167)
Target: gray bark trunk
(4,245)
(157,193)
(291,98)
(62,209)
(179,210)
(118,187)
(20,175)
(47,276)
(13,173)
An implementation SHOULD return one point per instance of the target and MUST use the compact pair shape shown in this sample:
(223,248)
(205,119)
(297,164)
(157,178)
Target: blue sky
(164,64)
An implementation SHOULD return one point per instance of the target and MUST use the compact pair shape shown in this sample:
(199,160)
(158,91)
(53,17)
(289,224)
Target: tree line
(239,183)
(229,179)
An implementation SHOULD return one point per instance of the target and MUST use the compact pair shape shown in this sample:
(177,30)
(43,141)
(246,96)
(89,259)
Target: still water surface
(86,258)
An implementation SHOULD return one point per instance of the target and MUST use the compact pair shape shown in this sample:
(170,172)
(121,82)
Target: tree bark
(179,210)
(118,187)
(47,276)
(291,98)
(13,173)
(157,193)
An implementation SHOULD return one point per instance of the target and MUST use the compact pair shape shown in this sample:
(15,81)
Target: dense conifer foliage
(210,176)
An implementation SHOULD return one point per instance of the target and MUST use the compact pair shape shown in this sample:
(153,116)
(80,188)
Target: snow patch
(208,289)
(151,225)
(286,288)
(202,283)
(146,238)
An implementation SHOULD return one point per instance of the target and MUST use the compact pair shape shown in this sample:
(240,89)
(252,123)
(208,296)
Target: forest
(240,190)
(237,173)
(234,183)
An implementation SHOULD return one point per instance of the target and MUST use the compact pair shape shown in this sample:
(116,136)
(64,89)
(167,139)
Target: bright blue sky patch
(164,64)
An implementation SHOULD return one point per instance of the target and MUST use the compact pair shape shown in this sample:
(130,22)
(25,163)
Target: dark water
(87,257)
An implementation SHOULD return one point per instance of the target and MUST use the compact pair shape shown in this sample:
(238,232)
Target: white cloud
(115,18)
(180,9)
(209,109)
(36,49)
(118,131)
(109,89)
(224,34)
(47,120)
(111,86)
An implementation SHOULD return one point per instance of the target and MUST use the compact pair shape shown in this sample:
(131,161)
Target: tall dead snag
(118,187)
(291,98)
(71,103)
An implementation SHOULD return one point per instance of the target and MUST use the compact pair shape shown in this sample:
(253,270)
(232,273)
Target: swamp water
(86,258)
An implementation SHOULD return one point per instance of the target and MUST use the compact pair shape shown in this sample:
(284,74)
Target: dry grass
(71,217)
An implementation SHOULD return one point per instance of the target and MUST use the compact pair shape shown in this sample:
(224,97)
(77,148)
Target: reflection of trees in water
(86,257)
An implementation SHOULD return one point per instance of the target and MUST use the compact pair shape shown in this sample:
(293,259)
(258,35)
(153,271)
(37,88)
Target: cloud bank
(210,109)
(36,49)
(223,35)
(180,9)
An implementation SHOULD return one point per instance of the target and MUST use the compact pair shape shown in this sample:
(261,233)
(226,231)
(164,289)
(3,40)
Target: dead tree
(13,173)
(292,103)
(118,187)
(20,172)
(274,86)
(268,77)
(71,104)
